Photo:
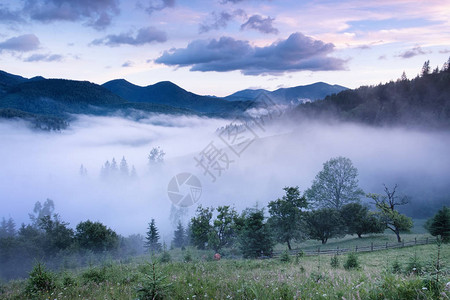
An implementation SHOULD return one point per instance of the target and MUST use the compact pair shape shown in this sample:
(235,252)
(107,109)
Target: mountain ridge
(291,95)
(168,93)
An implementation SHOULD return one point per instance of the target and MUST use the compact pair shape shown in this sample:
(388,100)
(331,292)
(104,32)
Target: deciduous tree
(392,219)
(359,220)
(323,224)
(336,185)
(285,215)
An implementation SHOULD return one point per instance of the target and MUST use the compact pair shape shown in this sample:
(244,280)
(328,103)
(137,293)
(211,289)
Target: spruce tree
(133,173)
(179,239)
(152,243)
(113,168)
(124,167)
(439,224)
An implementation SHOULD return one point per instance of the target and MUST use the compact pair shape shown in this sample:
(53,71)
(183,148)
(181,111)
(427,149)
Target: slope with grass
(407,273)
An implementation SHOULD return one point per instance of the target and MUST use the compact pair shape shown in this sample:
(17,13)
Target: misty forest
(121,191)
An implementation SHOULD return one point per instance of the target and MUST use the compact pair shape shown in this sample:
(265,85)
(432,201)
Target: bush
(285,256)
(414,265)
(40,280)
(396,267)
(299,255)
(352,262)
(68,280)
(334,261)
(154,285)
(187,256)
(96,275)
(318,277)
(165,257)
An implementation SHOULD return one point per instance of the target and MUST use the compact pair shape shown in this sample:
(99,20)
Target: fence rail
(368,248)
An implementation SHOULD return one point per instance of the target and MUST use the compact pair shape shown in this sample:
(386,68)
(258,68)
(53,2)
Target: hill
(51,103)
(421,102)
(298,94)
(168,93)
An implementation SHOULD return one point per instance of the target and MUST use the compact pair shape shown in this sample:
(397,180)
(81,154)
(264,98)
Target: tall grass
(298,278)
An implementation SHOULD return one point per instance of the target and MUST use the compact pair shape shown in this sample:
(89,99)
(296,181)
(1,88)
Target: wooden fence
(369,248)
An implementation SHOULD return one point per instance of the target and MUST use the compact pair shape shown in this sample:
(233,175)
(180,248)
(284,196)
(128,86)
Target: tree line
(330,208)
(419,102)
(47,237)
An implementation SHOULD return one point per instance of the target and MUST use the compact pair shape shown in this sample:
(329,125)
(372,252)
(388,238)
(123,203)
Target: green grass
(350,241)
(305,278)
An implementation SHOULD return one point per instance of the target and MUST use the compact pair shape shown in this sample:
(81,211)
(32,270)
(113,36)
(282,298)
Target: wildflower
(424,288)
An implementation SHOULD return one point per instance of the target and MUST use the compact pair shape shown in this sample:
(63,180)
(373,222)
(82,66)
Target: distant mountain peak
(288,95)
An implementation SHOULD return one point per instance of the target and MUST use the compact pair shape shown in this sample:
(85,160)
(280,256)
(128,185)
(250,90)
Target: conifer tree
(152,243)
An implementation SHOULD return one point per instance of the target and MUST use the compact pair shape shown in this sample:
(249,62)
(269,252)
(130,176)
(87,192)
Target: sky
(217,47)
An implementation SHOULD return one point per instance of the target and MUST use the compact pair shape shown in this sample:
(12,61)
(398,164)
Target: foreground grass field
(405,273)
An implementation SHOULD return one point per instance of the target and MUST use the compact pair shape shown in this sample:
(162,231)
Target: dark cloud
(261,24)
(445,51)
(220,20)
(144,36)
(96,13)
(155,5)
(413,52)
(382,57)
(22,43)
(44,57)
(127,64)
(297,53)
(9,16)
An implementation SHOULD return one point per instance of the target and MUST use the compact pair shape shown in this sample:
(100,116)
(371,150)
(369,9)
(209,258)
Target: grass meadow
(403,273)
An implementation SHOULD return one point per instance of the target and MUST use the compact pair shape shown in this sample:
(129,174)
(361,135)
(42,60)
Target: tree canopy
(335,185)
(439,224)
(285,215)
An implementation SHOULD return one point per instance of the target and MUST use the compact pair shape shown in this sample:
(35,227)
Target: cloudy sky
(221,46)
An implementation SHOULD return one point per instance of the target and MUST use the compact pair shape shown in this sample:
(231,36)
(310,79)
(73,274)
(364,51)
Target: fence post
(426,241)
(318,250)
(356,248)
(415,241)
(386,245)
(337,250)
(371,246)
(403,243)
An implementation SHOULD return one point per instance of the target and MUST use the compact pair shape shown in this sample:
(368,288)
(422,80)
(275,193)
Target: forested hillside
(421,102)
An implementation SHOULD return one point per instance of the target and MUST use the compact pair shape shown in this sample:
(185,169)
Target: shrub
(285,256)
(351,262)
(68,280)
(187,256)
(414,265)
(165,257)
(396,267)
(40,280)
(96,275)
(334,261)
(154,285)
(317,277)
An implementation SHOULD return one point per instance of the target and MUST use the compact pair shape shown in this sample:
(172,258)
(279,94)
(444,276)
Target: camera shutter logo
(184,189)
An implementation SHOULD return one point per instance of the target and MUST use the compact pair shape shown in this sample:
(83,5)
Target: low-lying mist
(40,165)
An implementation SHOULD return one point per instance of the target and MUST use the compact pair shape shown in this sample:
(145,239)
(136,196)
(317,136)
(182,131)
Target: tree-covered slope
(420,102)
(168,93)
